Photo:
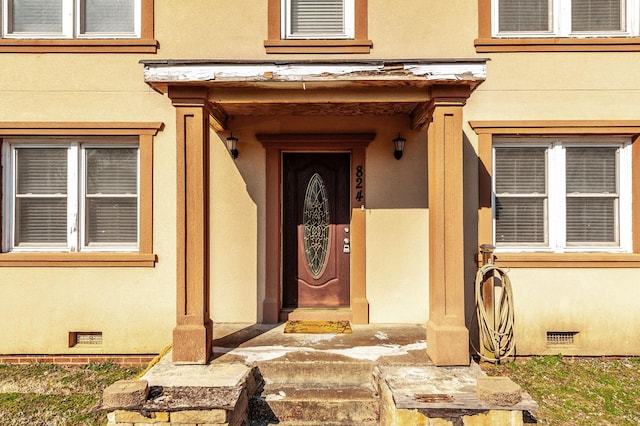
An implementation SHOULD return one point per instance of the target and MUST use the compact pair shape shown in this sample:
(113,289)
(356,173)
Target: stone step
(317,371)
(306,405)
(302,314)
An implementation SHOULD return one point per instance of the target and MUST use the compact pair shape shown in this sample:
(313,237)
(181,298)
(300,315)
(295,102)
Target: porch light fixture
(232,146)
(398,144)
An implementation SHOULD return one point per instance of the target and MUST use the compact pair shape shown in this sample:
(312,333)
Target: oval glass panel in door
(315,224)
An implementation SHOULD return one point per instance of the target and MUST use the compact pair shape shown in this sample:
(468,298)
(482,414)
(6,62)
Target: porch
(378,374)
(265,100)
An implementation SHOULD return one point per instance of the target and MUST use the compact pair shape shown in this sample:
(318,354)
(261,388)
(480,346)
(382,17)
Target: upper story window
(71,18)
(84,26)
(317,19)
(558,25)
(565,18)
(317,26)
(570,194)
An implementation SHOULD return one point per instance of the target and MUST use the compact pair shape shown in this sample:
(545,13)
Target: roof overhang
(374,87)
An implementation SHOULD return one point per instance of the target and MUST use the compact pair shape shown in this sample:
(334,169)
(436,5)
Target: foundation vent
(85,338)
(561,338)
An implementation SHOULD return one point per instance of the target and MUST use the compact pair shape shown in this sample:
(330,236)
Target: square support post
(447,335)
(193,332)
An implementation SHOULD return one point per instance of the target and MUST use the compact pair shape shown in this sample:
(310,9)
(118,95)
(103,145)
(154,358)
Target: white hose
(498,339)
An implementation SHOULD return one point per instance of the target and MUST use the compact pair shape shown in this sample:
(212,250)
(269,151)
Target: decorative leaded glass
(315,220)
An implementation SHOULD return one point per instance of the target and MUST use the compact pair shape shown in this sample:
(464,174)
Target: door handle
(346,248)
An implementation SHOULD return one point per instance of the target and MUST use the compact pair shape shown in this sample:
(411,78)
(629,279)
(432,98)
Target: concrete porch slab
(379,343)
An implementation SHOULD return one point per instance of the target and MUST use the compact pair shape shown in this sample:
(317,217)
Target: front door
(316,239)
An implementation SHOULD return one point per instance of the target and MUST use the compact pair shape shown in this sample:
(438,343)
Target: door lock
(346,248)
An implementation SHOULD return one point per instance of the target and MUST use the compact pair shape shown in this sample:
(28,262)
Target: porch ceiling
(304,88)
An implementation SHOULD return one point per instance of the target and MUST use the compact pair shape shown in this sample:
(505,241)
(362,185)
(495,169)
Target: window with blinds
(72,196)
(521,195)
(597,15)
(592,195)
(41,196)
(524,15)
(55,18)
(565,18)
(107,16)
(111,202)
(318,19)
(561,194)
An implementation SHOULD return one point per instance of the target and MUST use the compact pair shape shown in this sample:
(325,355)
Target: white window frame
(561,22)
(76,195)
(349,24)
(71,24)
(555,220)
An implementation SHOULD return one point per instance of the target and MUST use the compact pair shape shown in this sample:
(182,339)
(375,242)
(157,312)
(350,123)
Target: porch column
(193,332)
(447,335)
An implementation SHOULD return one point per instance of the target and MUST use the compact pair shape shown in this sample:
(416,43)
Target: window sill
(612,44)
(78,259)
(568,260)
(78,46)
(318,46)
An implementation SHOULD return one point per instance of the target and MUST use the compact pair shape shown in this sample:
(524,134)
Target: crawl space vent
(85,338)
(556,338)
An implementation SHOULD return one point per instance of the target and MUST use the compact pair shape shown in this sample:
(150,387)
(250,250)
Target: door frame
(277,144)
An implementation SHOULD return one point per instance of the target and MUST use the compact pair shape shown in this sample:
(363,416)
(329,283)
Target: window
(570,194)
(77,194)
(77,26)
(313,19)
(558,25)
(564,18)
(317,26)
(71,18)
(71,196)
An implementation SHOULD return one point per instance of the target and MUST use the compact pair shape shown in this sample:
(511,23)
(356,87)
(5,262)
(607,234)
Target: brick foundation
(72,360)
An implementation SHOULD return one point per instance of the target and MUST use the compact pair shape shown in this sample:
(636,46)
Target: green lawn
(570,391)
(48,394)
(578,391)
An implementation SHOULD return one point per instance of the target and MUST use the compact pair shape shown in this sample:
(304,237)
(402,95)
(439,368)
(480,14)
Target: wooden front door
(316,238)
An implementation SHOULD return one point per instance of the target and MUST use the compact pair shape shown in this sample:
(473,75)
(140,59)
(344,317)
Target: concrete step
(317,371)
(302,314)
(318,405)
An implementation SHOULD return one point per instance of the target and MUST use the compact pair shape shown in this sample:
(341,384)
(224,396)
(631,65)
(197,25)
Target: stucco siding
(41,306)
(135,307)
(397,249)
(596,304)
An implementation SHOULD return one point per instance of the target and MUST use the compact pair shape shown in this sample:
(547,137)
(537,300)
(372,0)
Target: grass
(574,391)
(570,391)
(55,395)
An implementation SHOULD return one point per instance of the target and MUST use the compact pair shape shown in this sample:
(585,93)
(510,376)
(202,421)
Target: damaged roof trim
(319,87)
(469,71)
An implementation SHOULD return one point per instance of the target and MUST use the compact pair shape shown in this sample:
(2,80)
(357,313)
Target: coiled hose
(498,339)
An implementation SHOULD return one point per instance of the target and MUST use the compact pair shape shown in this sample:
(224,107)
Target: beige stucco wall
(135,307)
(235,268)
(397,249)
(596,303)
(40,306)
(557,86)
(415,30)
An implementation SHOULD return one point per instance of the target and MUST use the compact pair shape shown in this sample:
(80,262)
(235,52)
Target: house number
(359,183)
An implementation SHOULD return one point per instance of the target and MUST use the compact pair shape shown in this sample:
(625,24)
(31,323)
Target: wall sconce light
(398,144)
(232,146)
